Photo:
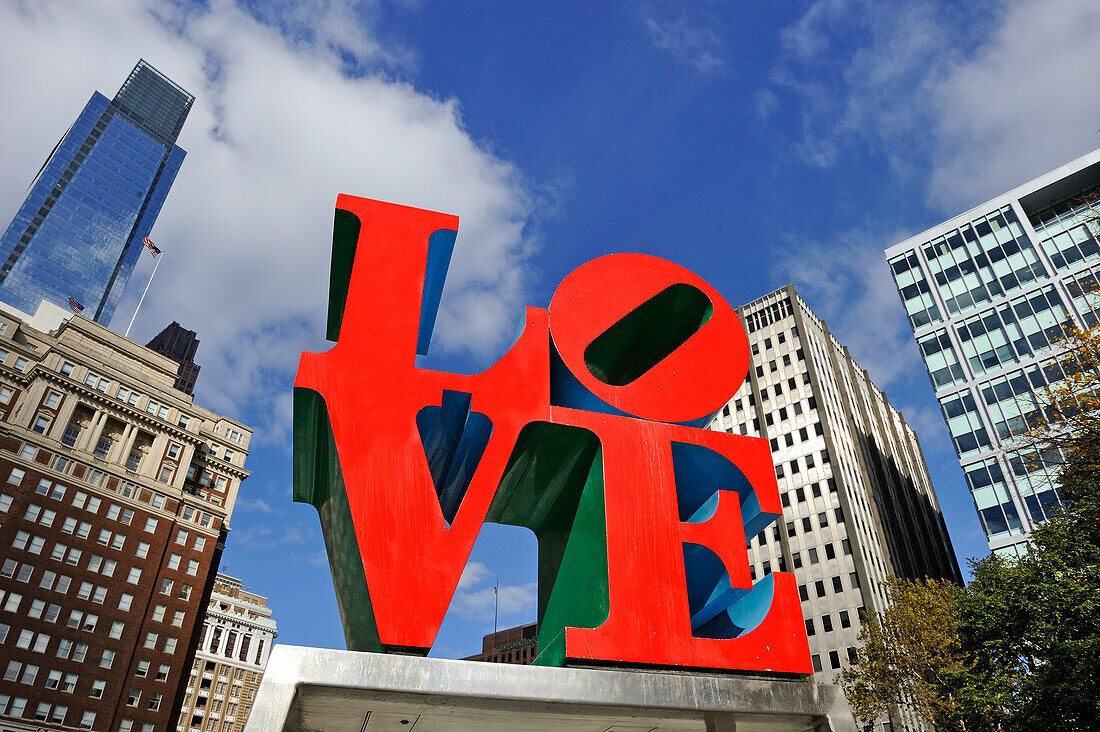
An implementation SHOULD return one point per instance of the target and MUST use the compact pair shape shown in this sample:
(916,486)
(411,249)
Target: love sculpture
(588,431)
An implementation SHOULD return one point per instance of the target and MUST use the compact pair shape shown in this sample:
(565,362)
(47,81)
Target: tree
(906,654)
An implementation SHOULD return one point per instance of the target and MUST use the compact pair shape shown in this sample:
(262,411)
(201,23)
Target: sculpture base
(337,691)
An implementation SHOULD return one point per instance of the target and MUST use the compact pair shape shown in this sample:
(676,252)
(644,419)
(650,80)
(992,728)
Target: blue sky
(754,143)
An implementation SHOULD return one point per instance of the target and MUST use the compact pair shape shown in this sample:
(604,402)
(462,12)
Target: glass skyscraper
(987,295)
(78,233)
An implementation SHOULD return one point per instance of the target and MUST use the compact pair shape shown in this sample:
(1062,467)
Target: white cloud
(1026,103)
(275,535)
(278,129)
(245,504)
(695,45)
(847,282)
(975,98)
(479,604)
(472,575)
(473,601)
(970,101)
(765,102)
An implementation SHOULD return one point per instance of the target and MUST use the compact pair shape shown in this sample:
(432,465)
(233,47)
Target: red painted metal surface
(373,391)
(413,559)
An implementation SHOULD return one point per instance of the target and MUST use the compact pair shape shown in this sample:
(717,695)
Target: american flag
(153,248)
(75,306)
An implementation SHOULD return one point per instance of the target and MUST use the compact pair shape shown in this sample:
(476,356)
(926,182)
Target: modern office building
(511,645)
(116,491)
(180,345)
(237,635)
(987,294)
(78,234)
(858,504)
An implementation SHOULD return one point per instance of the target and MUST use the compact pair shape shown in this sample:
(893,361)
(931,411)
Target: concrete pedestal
(345,691)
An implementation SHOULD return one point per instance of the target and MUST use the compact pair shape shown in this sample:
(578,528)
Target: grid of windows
(1001,289)
(801,387)
(110,168)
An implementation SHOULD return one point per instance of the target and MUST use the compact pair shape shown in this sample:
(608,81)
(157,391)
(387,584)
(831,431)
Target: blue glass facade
(988,295)
(78,233)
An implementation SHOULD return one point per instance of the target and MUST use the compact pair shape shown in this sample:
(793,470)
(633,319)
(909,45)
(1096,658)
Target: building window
(72,434)
(41,424)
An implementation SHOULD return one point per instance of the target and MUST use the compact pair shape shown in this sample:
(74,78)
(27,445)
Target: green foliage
(1019,648)
(907,655)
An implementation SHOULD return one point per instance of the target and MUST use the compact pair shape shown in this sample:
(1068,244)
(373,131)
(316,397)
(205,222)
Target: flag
(153,249)
(75,306)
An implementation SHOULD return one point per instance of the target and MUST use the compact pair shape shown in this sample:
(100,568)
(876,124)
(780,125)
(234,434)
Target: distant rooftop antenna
(496,605)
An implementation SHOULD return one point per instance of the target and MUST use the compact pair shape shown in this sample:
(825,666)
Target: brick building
(237,635)
(115,495)
(511,645)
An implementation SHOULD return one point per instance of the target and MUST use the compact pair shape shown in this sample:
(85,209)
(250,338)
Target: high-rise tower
(180,345)
(78,233)
(988,294)
(858,504)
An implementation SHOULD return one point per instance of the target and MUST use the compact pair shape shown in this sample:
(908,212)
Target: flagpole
(131,325)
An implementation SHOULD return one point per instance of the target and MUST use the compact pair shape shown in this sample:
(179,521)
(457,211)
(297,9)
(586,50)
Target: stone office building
(237,635)
(115,496)
(858,504)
